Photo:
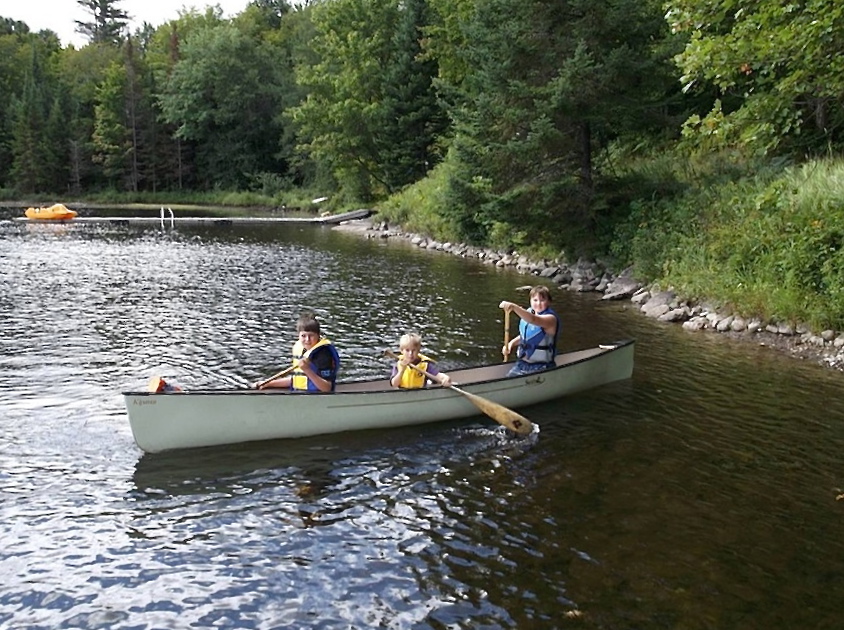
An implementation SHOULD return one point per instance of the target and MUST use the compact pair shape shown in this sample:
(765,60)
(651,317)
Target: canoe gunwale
(362,386)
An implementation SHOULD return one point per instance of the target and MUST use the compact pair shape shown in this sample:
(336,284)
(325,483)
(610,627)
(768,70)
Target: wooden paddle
(506,336)
(284,372)
(501,414)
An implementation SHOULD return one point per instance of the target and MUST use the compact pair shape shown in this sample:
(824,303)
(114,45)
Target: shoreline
(825,348)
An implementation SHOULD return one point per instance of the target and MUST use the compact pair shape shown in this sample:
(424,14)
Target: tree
(107,24)
(125,128)
(37,143)
(371,114)
(341,115)
(224,96)
(112,138)
(548,85)
(778,68)
(82,72)
(413,118)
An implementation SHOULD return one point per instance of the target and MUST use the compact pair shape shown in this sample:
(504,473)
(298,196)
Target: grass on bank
(419,208)
(756,240)
(768,244)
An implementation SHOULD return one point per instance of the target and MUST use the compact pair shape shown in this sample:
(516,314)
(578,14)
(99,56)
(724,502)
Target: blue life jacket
(537,346)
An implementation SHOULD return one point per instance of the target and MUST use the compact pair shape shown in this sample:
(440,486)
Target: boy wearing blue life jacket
(536,343)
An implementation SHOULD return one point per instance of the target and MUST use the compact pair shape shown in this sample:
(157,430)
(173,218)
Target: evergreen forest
(699,142)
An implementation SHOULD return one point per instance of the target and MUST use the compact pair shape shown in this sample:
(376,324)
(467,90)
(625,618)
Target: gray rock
(695,323)
(663,297)
(724,324)
(603,284)
(655,310)
(641,296)
(564,277)
(674,315)
(621,288)
(785,329)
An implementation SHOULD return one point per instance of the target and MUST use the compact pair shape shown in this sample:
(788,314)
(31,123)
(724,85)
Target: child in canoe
(315,361)
(406,377)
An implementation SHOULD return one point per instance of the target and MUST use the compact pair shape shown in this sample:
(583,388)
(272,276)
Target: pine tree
(108,21)
(413,119)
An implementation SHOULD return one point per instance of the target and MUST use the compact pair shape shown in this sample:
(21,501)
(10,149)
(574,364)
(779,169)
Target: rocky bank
(825,347)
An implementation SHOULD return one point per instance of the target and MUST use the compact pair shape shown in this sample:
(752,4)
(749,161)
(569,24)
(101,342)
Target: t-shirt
(323,362)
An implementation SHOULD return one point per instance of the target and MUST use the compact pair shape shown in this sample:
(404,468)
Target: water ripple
(700,492)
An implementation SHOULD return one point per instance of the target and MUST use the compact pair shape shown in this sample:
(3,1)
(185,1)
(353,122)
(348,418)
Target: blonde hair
(410,340)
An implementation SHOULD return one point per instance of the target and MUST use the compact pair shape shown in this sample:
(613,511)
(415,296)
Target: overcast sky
(60,15)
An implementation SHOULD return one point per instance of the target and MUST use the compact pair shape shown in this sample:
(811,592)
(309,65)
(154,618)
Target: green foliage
(769,244)
(371,117)
(224,96)
(341,116)
(547,88)
(35,123)
(417,208)
(412,118)
(112,139)
(778,67)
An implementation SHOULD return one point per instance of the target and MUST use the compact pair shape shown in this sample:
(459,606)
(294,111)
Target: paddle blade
(501,414)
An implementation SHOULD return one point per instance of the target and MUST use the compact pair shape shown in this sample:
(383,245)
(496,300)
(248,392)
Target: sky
(60,15)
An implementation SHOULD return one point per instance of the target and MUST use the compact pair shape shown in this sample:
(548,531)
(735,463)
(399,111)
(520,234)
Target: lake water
(699,494)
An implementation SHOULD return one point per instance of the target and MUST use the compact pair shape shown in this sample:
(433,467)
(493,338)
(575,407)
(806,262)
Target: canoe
(56,212)
(167,420)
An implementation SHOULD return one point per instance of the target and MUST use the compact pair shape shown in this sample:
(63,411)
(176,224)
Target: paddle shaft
(506,352)
(281,374)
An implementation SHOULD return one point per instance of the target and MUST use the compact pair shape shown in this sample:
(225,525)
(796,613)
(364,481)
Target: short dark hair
(307,323)
(542,291)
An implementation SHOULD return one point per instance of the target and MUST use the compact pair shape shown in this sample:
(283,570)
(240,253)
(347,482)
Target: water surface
(698,494)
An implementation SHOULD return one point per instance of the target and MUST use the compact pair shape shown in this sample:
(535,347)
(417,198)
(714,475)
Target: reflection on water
(699,494)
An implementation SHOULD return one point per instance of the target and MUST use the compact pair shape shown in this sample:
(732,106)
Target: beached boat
(168,420)
(56,212)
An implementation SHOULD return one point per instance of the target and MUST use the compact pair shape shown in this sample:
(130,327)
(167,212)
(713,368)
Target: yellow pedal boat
(56,212)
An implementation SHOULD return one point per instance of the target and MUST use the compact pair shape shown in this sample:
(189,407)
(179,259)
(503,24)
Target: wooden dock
(169,219)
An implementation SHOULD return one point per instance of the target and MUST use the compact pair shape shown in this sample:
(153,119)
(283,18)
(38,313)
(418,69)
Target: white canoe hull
(173,420)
